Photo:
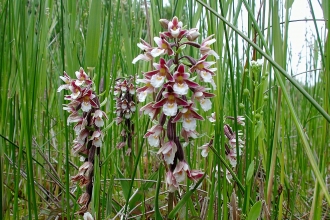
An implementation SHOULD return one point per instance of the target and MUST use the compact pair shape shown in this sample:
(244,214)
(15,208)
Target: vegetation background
(283,172)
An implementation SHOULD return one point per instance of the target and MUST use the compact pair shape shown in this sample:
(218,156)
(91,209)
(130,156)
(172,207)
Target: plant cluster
(84,109)
(124,91)
(178,83)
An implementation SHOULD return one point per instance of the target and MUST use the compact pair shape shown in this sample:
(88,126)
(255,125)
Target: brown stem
(170,202)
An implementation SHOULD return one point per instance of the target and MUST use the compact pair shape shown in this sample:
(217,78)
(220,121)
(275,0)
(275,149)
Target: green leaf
(108,127)
(258,129)
(288,4)
(93,33)
(255,211)
(104,102)
(250,171)
(124,184)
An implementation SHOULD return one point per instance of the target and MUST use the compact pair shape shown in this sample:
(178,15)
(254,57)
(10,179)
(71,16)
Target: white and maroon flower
(83,175)
(171,182)
(81,125)
(67,80)
(146,56)
(82,78)
(74,117)
(97,138)
(231,136)
(182,82)
(180,171)
(153,135)
(189,116)
(163,47)
(77,148)
(97,118)
(205,149)
(131,89)
(212,118)
(145,90)
(118,120)
(206,49)
(189,134)
(76,91)
(148,109)
(132,106)
(192,34)
(195,175)
(202,96)
(72,106)
(170,102)
(240,120)
(87,101)
(168,150)
(123,86)
(203,66)
(157,77)
(174,27)
(231,155)
(127,114)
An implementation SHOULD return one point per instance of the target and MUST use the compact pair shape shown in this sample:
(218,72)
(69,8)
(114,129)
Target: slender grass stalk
(286,96)
(269,58)
(274,151)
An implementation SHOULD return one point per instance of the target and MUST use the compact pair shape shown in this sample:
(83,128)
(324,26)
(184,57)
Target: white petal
(206,104)
(212,52)
(75,95)
(175,33)
(206,76)
(79,82)
(158,40)
(189,124)
(141,57)
(169,158)
(205,152)
(64,79)
(74,117)
(170,109)
(142,96)
(88,216)
(153,140)
(180,176)
(142,46)
(99,122)
(65,86)
(86,106)
(181,89)
(97,142)
(209,42)
(157,52)
(157,80)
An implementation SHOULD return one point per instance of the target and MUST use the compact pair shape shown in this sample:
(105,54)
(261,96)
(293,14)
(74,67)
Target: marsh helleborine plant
(124,90)
(180,83)
(84,109)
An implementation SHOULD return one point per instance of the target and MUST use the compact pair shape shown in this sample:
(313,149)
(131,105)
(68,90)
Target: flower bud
(164,23)
(192,34)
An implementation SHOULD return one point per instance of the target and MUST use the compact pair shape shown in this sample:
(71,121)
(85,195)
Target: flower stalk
(84,109)
(179,84)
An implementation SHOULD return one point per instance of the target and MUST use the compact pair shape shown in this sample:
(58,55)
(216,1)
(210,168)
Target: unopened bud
(164,23)
(193,34)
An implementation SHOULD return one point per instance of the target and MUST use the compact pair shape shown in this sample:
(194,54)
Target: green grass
(283,171)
